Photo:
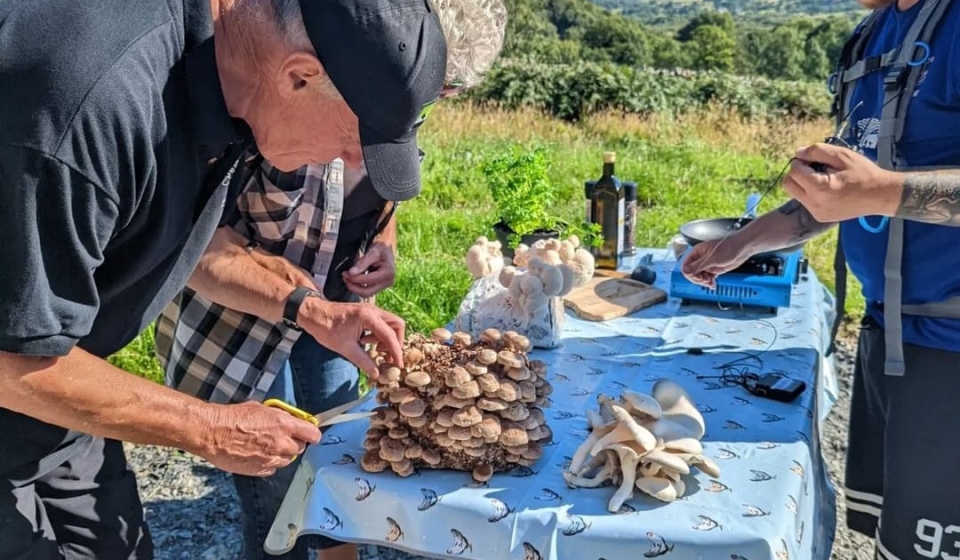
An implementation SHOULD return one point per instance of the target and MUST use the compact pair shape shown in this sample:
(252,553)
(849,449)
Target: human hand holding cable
(847,186)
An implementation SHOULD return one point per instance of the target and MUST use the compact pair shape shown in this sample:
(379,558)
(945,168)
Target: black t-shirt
(115,147)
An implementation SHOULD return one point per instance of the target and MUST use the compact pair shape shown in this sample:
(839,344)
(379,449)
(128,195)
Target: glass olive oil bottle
(607,209)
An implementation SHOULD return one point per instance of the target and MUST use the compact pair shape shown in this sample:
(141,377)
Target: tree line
(801,48)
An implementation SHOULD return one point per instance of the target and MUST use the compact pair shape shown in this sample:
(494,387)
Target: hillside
(673,13)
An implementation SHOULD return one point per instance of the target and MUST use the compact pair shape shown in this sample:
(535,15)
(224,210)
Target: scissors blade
(348,417)
(327,415)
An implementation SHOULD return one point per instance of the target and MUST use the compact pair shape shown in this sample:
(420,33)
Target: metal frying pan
(712,229)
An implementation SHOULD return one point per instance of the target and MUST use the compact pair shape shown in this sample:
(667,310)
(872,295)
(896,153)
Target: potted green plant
(522,193)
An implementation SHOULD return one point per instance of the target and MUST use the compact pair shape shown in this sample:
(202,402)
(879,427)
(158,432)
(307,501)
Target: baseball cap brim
(393,167)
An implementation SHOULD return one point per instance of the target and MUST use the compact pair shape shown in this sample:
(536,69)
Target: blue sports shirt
(931,137)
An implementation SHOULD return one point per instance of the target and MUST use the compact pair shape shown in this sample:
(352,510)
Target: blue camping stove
(764,281)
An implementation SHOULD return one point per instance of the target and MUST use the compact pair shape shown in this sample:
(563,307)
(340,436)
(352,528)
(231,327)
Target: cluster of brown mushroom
(642,441)
(459,404)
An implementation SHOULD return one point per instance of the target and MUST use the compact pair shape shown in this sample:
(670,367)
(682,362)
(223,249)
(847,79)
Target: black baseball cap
(388,59)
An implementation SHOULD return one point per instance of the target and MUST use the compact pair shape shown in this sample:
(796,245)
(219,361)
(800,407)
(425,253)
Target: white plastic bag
(488,305)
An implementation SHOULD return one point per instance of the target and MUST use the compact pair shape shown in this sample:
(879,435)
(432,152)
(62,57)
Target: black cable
(745,370)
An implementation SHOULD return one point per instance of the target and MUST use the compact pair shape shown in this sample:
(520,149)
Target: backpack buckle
(896,74)
(832,83)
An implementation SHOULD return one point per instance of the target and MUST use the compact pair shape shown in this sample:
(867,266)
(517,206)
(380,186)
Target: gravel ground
(187,501)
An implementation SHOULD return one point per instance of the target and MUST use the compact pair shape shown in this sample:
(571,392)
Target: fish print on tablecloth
(791,504)
(740,401)
(704,409)
(768,417)
(522,472)
(766,446)
(626,508)
(460,543)
(530,553)
(394,532)
(581,392)
(725,454)
(500,510)
(783,553)
(548,495)
(797,468)
(429,500)
(330,521)
(576,526)
(754,511)
(706,524)
(716,486)
(364,488)
(732,425)
(560,377)
(331,440)
(800,534)
(345,460)
(761,476)
(564,415)
(658,546)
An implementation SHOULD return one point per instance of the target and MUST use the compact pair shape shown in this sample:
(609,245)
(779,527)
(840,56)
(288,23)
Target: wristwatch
(292,307)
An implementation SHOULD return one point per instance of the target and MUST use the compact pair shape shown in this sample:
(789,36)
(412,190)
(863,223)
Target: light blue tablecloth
(773,501)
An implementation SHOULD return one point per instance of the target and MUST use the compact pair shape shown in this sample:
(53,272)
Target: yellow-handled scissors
(335,415)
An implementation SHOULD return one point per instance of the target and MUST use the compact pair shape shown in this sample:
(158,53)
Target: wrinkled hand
(284,268)
(346,327)
(255,440)
(710,259)
(374,272)
(852,185)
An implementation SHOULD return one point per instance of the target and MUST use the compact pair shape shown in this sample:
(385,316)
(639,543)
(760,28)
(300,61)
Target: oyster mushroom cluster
(642,442)
(459,404)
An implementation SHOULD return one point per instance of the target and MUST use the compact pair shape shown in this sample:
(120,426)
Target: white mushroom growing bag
(488,304)
(527,300)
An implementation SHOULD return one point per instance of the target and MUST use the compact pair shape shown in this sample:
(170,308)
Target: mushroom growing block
(466,404)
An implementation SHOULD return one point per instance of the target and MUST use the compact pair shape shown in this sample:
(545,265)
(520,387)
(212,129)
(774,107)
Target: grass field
(698,166)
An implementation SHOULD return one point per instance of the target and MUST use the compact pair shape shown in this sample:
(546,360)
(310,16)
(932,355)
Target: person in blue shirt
(901,483)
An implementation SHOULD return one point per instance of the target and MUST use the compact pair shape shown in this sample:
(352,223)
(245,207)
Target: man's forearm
(229,276)
(932,197)
(788,225)
(85,393)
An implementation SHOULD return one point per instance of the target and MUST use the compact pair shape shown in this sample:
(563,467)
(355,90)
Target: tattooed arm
(932,197)
(789,225)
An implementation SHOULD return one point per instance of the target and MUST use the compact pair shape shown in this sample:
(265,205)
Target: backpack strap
(841,85)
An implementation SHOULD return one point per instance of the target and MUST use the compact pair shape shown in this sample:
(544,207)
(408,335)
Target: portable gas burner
(764,281)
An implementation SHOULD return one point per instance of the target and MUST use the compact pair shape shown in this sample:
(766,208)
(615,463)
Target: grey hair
(474,31)
(286,17)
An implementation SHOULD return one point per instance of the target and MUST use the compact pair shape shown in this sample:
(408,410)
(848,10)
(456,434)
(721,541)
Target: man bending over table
(344,251)
(901,481)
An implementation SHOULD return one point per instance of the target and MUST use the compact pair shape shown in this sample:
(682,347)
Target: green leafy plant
(522,193)
(590,235)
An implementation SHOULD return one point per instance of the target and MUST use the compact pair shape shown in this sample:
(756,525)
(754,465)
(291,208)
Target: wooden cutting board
(603,298)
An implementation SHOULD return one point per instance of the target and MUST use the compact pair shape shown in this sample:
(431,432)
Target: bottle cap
(630,190)
(609,157)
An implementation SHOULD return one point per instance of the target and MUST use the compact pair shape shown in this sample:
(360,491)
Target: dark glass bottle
(629,218)
(607,209)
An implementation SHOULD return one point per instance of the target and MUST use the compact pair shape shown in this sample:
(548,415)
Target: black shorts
(903,459)
(87,508)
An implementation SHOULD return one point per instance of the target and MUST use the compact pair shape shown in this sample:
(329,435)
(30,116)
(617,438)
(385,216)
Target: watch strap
(292,306)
